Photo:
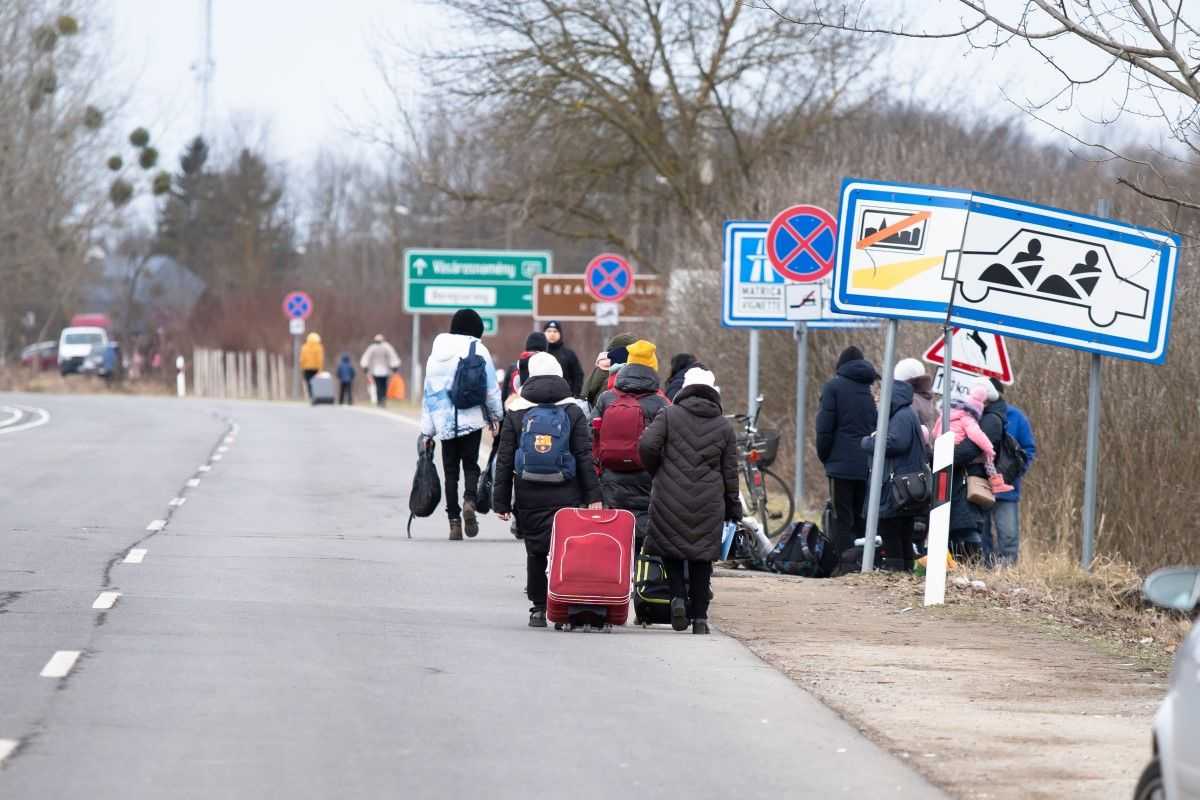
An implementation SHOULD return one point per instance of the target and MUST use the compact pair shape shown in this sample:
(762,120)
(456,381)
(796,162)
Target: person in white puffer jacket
(459,430)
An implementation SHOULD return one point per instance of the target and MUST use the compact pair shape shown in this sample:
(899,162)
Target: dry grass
(1050,588)
(50,382)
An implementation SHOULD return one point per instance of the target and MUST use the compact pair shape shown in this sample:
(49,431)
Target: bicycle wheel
(779,504)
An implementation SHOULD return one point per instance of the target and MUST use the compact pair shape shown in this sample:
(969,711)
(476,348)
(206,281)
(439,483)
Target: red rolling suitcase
(591,558)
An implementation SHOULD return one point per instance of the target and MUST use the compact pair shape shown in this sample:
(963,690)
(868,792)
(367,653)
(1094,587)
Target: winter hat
(644,353)
(851,353)
(536,342)
(909,369)
(977,398)
(552,324)
(990,392)
(618,356)
(544,364)
(699,376)
(314,338)
(682,361)
(379,337)
(466,322)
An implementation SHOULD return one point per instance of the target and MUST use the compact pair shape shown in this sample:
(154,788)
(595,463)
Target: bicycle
(757,450)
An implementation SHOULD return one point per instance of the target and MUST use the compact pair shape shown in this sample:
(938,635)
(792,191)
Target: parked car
(43,355)
(1174,771)
(76,344)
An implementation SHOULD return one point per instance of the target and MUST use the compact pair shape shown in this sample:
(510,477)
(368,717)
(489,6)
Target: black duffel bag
(487,479)
(803,550)
(426,492)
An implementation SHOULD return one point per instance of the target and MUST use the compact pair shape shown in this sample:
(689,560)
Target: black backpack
(1011,458)
(426,487)
(803,550)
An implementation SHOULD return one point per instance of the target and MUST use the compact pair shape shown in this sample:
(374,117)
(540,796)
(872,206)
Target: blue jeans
(1006,519)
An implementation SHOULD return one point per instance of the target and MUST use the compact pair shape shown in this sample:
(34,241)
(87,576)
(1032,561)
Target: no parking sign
(802,242)
(608,277)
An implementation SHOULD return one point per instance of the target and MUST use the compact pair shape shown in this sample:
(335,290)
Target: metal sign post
(875,489)
(752,378)
(801,408)
(1092,454)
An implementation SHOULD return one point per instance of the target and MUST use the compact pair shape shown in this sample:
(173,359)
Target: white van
(75,345)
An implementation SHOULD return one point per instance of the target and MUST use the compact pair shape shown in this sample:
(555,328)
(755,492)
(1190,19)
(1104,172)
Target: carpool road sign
(753,294)
(801,243)
(608,277)
(1015,268)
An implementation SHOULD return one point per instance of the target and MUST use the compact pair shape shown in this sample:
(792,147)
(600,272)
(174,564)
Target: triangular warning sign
(976,352)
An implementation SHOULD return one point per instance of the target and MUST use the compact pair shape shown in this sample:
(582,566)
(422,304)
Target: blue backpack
(469,387)
(544,451)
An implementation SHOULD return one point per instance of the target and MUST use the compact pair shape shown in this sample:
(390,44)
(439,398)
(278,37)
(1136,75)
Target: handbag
(979,492)
(912,491)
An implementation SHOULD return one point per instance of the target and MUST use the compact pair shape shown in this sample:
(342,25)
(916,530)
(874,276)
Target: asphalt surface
(280,637)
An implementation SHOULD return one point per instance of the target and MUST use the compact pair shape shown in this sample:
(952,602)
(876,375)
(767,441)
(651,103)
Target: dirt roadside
(986,706)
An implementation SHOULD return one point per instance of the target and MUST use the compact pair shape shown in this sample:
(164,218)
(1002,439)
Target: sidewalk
(986,707)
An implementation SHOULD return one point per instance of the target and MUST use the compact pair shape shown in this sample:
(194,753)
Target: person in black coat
(905,453)
(572,371)
(680,364)
(519,371)
(847,414)
(537,502)
(970,525)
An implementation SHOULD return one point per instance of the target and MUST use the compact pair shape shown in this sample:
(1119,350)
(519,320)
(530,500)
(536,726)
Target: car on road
(1051,267)
(75,345)
(1174,770)
(40,356)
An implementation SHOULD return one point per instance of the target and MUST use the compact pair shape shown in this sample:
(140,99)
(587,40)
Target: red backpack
(621,427)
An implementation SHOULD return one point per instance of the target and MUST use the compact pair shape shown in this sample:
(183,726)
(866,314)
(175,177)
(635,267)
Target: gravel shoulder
(985,702)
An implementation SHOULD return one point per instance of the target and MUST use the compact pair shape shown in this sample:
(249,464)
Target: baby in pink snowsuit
(964,422)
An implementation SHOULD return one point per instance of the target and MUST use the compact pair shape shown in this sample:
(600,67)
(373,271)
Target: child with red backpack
(621,414)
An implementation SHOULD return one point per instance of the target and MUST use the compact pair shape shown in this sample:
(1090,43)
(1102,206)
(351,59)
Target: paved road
(281,638)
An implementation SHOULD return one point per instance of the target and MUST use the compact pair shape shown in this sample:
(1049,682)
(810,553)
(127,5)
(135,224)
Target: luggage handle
(602,516)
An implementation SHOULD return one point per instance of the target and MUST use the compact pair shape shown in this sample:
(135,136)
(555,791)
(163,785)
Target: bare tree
(601,120)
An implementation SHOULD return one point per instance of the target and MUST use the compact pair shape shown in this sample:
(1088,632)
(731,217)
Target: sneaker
(470,522)
(679,618)
(456,530)
(998,484)
(700,626)
(537,618)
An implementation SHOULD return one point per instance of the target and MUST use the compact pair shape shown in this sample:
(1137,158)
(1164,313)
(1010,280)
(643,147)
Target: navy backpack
(544,452)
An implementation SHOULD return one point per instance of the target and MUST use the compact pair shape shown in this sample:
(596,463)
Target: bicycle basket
(767,445)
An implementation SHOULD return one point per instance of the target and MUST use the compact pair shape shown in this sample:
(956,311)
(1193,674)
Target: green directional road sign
(491,324)
(489,281)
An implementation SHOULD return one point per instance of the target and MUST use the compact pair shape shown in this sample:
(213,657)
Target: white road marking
(14,414)
(193,483)
(106,600)
(6,748)
(222,449)
(204,468)
(42,417)
(217,457)
(416,423)
(176,502)
(135,556)
(156,525)
(60,664)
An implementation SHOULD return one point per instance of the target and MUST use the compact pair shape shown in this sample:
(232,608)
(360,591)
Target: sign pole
(296,367)
(881,433)
(801,410)
(416,387)
(752,378)
(1091,463)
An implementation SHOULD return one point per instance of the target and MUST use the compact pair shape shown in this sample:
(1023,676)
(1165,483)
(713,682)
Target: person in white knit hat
(913,373)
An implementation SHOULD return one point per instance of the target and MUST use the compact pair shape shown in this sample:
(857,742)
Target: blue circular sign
(297,305)
(608,277)
(801,243)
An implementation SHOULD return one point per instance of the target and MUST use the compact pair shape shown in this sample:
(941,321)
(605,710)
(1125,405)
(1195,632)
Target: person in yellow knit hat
(620,416)
(312,359)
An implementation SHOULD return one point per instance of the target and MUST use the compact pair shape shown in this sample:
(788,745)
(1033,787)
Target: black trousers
(699,583)
(465,451)
(849,517)
(346,394)
(535,579)
(308,376)
(381,382)
(897,535)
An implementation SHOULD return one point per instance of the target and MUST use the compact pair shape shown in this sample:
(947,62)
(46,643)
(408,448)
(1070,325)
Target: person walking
(345,376)
(620,416)
(312,359)
(460,399)
(846,415)
(378,362)
(904,454)
(1006,514)
(691,453)
(680,364)
(597,381)
(518,372)
(562,439)
(572,371)
(913,373)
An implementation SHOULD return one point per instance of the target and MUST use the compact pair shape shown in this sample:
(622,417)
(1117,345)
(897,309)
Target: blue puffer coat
(905,452)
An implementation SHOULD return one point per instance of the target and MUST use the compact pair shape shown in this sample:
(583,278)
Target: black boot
(470,523)
(700,626)
(456,530)
(537,618)
(679,617)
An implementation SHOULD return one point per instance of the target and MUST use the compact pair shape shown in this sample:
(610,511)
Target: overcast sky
(302,65)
